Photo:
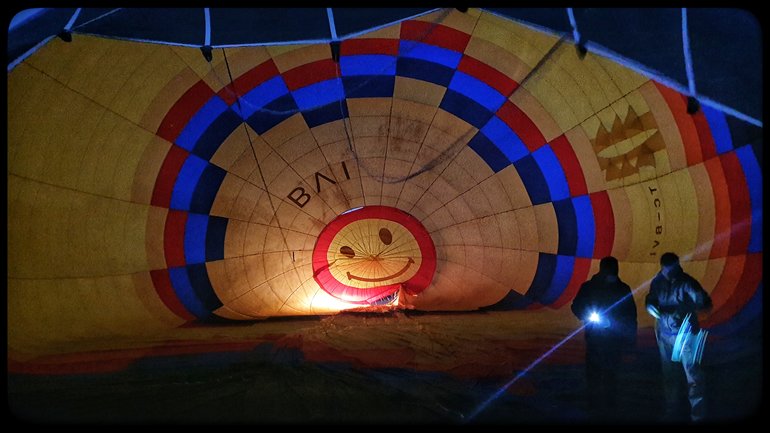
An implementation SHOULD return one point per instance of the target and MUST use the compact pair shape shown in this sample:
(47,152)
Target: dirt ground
(506,368)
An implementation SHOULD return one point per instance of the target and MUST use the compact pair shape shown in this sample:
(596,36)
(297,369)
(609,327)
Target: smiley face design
(369,253)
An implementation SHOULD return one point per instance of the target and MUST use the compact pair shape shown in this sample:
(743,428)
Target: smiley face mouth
(377,280)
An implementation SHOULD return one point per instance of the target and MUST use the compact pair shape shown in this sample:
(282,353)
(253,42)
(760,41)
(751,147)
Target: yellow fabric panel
(592,69)
(454,126)
(528,45)
(478,202)
(226,196)
(452,182)
(250,265)
(255,240)
(681,220)
(73,142)
(423,92)
(275,241)
(335,202)
(369,106)
(245,165)
(477,169)
(407,129)
(48,314)
(402,150)
(366,147)
(235,237)
(246,198)
(297,298)
(498,58)
(441,218)
(251,303)
(298,146)
(219,279)
(238,142)
(495,193)
(290,59)
(137,73)
(520,268)
(240,61)
(147,169)
(166,97)
(514,187)
(556,97)
(425,205)
(370,126)
(155,228)
(510,232)
(272,167)
(474,259)
(461,211)
(547,228)
(408,197)
(572,91)
(110,162)
(526,219)
(492,264)
(624,78)
(404,109)
(395,168)
(491,235)
(283,286)
(121,75)
(624,220)
(193,58)
(286,130)
(279,50)
(96,235)
(531,106)
(330,132)
(642,222)
(285,214)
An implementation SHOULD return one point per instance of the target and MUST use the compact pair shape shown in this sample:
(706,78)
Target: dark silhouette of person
(606,305)
(675,295)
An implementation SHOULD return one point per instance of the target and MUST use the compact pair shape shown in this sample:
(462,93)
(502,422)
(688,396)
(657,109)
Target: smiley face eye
(347,252)
(386,236)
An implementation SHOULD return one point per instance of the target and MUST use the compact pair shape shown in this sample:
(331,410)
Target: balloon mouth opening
(371,255)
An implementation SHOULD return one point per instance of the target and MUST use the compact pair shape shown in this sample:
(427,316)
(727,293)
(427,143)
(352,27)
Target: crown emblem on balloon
(628,145)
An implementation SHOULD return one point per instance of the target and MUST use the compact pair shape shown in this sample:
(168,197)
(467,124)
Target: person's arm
(651,301)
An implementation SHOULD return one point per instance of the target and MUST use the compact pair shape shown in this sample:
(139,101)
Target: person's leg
(593,382)
(696,384)
(671,372)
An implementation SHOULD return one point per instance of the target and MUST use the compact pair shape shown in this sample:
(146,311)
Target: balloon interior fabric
(452,161)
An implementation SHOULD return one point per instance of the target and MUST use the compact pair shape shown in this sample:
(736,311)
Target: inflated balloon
(455,161)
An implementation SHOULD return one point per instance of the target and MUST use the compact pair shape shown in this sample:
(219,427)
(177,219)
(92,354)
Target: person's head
(669,262)
(609,266)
